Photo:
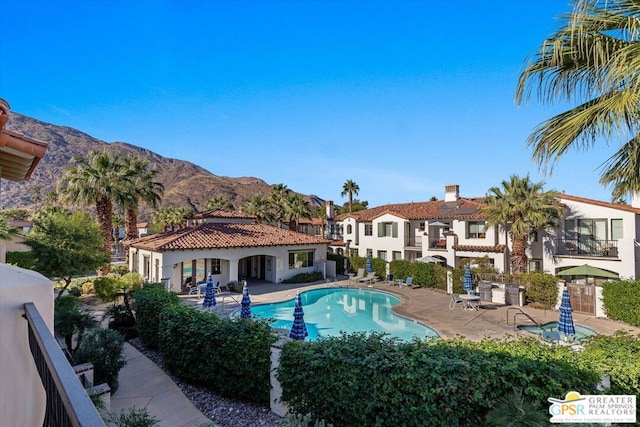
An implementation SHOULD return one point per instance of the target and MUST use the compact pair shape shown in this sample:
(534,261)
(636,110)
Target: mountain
(186,184)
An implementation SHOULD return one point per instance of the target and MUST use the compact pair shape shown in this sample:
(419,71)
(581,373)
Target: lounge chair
(358,276)
(454,301)
(370,277)
(407,282)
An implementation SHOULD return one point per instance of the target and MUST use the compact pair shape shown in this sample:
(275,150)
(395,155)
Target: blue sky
(402,97)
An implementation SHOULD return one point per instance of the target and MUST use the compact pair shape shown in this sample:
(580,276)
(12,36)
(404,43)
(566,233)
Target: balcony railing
(587,248)
(67,402)
(437,243)
(415,241)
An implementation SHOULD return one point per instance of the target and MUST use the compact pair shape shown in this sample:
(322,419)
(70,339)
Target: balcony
(587,248)
(438,243)
(414,241)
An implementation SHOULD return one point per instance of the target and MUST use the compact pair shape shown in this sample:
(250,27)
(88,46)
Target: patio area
(430,306)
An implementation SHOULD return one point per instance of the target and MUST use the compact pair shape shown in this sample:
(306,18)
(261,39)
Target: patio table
(469,300)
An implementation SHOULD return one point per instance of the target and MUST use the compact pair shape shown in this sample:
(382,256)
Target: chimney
(329,209)
(451,193)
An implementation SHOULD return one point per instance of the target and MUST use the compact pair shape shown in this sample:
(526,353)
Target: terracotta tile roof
(224,236)
(220,213)
(337,243)
(311,221)
(479,248)
(461,209)
(619,206)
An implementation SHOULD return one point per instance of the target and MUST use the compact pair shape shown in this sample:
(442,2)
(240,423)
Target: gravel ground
(222,411)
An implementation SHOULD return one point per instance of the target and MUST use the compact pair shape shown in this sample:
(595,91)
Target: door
(582,298)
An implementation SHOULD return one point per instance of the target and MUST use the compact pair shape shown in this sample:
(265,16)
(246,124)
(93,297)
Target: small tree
(66,244)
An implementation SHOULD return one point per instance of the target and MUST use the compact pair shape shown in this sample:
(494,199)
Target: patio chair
(454,301)
(370,277)
(358,276)
(407,282)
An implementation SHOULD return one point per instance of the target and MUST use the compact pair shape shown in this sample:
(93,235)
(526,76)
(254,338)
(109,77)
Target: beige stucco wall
(22,397)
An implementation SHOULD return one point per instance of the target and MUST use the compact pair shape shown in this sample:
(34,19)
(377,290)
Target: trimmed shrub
(305,277)
(541,289)
(150,301)
(362,379)
(621,301)
(230,356)
(107,287)
(119,270)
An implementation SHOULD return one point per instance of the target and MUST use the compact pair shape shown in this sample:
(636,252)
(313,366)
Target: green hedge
(21,259)
(150,301)
(230,356)
(621,301)
(372,380)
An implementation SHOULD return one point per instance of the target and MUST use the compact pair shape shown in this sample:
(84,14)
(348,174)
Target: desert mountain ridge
(186,184)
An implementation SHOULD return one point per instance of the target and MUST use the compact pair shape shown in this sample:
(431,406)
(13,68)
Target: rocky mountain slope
(186,184)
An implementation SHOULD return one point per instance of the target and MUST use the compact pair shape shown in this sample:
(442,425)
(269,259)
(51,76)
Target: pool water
(328,311)
(548,330)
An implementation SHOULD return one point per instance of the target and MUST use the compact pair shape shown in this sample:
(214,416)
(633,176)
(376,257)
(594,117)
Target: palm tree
(295,208)
(522,207)
(260,208)
(139,185)
(170,217)
(218,202)
(96,180)
(278,197)
(350,188)
(591,61)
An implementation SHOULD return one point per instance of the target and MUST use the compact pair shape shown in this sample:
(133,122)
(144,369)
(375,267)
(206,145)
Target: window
(616,229)
(386,229)
(300,259)
(535,265)
(421,226)
(476,230)
(216,266)
(368,229)
(349,229)
(382,255)
(592,229)
(396,255)
(369,252)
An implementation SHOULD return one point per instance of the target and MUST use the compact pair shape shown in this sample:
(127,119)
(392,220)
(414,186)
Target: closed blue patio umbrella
(209,294)
(245,311)
(467,280)
(369,265)
(299,328)
(565,324)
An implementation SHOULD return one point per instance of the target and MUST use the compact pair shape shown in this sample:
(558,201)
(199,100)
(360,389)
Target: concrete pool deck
(431,307)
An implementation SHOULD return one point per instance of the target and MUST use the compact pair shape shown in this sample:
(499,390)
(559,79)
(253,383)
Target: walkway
(144,385)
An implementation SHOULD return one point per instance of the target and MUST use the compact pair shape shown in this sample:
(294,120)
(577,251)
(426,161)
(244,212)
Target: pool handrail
(525,314)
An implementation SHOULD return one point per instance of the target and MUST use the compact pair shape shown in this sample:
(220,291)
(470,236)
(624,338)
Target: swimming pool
(328,311)
(550,330)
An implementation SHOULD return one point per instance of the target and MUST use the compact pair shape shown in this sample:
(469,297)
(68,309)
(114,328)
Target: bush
(541,288)
(305,277)
(150,301)
(230,356)
(107,287)
(104,349)
(21,259)
(71,320)
(133,417)
(131,281)
(362,379)
(119,270)
(621,301)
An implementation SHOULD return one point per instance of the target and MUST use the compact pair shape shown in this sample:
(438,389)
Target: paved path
(144,385)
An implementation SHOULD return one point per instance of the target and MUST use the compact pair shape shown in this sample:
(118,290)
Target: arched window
(348,228)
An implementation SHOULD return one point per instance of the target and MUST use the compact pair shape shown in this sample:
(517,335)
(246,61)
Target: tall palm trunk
(104,211)
(130,229)
(519,256)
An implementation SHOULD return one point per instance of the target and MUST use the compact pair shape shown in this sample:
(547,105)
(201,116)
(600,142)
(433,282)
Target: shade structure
(437,224)
(565,324)
(587,270)
(467,280)
(299,328)
(428,258)
(209,294)
(245,311)
(369,264)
